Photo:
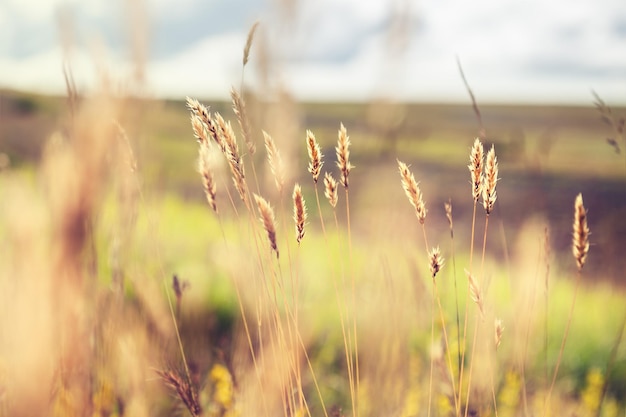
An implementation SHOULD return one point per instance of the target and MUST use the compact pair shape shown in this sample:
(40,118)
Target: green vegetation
(95,233)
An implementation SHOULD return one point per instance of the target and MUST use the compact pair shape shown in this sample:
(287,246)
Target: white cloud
(511,50)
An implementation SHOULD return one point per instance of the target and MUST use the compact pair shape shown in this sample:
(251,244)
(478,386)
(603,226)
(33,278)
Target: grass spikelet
(499,329)
(275,161)
(330,189)
(267,218)
(343,155)
(239,107)
(199,128)
(580,240)
(204,167)
(490,180)
(476,168)
(246,49)
(299,212)
(183,390)
(436,261)
(412,191)
(315,156)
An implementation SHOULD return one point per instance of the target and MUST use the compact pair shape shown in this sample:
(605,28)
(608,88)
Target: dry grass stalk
(343,155)
(499,329)
(204,167)
(246,49)
(330,189)
(315,156)
(475,293)
(412,191)
(267,218)
(275,161)
(436,261)
(299,212)
(490,180)
(239,107)
(580,240)
(183,389)
(476,168)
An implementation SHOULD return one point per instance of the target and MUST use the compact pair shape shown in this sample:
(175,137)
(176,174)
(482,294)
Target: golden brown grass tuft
(267,218)
(343,155)
(580,240)
(412,191)
(315,156)
(490,180)
(299,212)
(330,189)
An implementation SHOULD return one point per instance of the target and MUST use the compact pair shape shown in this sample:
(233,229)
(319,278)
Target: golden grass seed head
(185,392)
(436,261)
(268,221)
(275,161)
(412,191)
(499,329)
(343,155)
(299,212)
(330,189)
(490,180)
(315,156)
(448,207)
(476,168)
(239,107)
(475,293)
(580,238)
(204,168)
(246,49)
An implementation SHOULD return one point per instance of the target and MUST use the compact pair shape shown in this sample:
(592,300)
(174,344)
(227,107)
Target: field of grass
(102,206)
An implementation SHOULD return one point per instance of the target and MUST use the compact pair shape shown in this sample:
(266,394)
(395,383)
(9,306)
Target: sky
(543,51)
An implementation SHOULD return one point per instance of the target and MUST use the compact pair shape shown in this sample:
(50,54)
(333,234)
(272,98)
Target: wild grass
(120,301)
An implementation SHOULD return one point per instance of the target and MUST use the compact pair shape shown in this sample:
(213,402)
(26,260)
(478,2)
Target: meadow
(126,293)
